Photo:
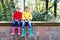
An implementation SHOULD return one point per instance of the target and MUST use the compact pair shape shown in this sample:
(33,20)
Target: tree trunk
(24,3)
(46,6)
(55,8)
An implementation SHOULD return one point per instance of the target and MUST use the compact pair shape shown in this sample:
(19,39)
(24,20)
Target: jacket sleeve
(20,16)
(30,16)
(23,18)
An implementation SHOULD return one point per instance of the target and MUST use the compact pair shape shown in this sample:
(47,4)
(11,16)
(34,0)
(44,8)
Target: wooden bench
(34,23)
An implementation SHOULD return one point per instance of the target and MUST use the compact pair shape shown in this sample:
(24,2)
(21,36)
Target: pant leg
(23,24)
(30,28)
(29,24)
(19,29)
(23,28)
(13,23)
(18,23)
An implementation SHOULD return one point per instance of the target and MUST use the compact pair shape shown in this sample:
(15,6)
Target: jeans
(29,24)
(14,22)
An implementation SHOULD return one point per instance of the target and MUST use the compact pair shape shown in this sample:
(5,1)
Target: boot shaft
(30,31)
(23,32)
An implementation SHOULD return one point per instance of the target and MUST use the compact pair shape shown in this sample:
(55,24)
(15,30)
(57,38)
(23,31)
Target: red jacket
(17,15)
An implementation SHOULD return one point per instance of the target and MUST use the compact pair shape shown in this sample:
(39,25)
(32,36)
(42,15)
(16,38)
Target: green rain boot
(30,32)
(23,32)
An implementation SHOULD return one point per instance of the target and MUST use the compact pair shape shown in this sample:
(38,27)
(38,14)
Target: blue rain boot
(30,32)
(23,32)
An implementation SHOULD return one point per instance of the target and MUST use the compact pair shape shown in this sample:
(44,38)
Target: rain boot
(19,30)
(23,32)
(13,30)
(30,32)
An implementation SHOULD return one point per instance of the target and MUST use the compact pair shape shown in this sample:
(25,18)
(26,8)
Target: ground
(39,33)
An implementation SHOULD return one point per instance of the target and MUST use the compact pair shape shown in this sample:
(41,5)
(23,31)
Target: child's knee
(29,22)
(18,22)
(23,23)
(13,22)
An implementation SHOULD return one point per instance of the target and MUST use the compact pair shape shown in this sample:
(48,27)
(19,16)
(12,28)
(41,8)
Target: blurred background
(42,10)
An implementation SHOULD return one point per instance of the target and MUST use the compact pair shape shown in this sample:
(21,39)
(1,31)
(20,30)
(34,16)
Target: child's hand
(27,20)
(16,20)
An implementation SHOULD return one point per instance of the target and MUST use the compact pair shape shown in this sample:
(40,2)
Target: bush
(1,17)
(42,16)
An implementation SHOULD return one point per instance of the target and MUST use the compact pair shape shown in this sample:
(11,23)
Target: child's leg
(19,29)
(30,28)
(23,28)
(13,27)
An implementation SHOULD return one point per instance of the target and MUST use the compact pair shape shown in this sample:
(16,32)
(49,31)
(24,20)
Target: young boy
(26,16)
(16,17)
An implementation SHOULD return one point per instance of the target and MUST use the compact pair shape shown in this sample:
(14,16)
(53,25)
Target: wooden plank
(33,24)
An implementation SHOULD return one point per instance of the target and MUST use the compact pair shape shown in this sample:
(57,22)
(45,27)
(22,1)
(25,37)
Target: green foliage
(58,17)
(6,14)
(6,8)
(42,17)
(1,16)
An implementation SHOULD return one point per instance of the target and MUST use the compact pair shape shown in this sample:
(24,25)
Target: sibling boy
(16,17)
(26,16)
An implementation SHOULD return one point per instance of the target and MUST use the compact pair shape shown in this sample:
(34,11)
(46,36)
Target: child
(16,17)
(26,16)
